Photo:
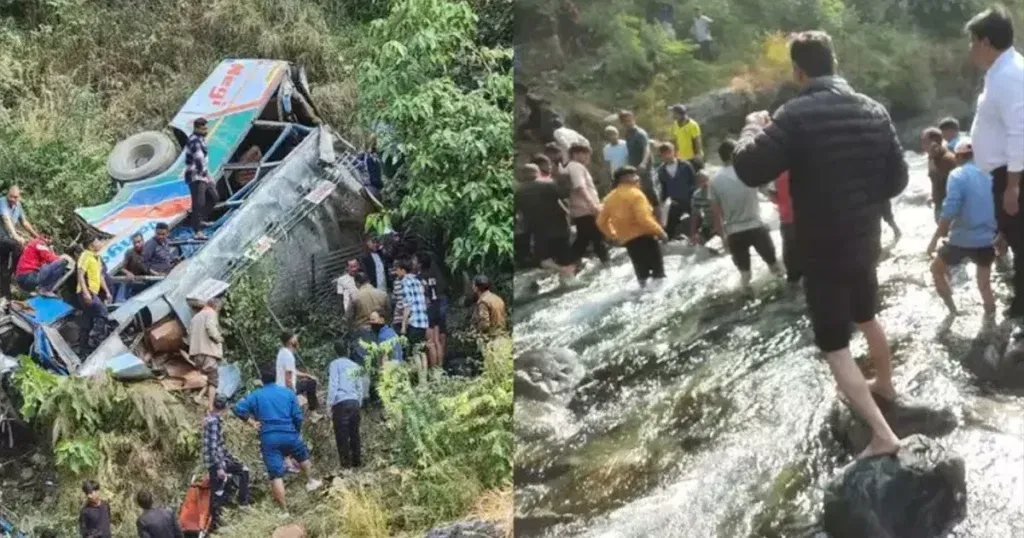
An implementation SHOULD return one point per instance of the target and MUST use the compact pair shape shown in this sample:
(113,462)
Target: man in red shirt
(780,197)
(39,268)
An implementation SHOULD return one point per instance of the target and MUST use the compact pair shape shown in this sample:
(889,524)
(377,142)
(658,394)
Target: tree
(445,102)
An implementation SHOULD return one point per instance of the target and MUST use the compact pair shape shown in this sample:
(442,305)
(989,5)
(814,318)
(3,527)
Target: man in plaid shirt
(197,177)
(414,314)
(220,463)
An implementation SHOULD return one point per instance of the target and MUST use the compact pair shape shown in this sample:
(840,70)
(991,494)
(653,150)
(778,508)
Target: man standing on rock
(940,163)
(997,133)
(686,135)
(845,170)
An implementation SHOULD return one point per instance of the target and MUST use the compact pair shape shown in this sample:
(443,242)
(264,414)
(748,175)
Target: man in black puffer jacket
(845,162)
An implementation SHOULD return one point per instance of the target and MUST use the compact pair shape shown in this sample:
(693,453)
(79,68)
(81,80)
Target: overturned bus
(278,170)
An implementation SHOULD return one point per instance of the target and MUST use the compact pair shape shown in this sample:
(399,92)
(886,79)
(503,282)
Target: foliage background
(909,54)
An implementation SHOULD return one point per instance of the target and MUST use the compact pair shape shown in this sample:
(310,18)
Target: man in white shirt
(616,153)
(288,374)
(346,286)
(998,130)
(702,33)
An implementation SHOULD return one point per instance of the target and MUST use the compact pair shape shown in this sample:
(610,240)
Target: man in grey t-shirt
(737,217)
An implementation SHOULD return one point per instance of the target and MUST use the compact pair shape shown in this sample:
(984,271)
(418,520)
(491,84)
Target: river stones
(905,417)
(919,493)
(467,529)
(547,374)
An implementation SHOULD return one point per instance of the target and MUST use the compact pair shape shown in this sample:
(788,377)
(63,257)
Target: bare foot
(880,447)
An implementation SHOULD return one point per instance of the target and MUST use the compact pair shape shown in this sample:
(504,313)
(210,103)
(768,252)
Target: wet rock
(919,493)
(547,374)
(905,417)
(1009,367)
(996,357)
(467,529)
(27,473)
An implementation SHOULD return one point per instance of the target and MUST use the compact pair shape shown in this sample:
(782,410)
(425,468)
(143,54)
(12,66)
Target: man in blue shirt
(346,388)
(616,153)
(11,240)
(968,217)
(157,254)
(274,409)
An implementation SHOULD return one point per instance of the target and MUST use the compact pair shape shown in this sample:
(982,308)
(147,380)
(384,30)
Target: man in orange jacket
(628,218)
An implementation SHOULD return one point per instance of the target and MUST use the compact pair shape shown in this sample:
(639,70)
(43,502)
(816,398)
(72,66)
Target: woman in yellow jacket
(628,219)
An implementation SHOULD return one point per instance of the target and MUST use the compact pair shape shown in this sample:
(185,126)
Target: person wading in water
(837,221)
(628,218)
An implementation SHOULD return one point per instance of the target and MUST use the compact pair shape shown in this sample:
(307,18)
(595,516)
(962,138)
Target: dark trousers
(789,257)
(522,248)
(221,490)
(94,324)
(587,233)
(740,243)
(673,223)
(345,416)
(1012,228)
(10,251)
(44,279)
(645,253)
(204,198)
(307,387)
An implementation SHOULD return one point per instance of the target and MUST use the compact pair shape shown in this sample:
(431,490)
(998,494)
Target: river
(692,410)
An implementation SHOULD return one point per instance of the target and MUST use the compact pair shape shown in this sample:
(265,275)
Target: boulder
(996,356)
(290,531)
(905,417)
(467,529)
(547,374)
(921,492)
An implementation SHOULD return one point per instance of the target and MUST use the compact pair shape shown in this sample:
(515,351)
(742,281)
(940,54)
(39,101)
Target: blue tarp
(42,352)
(47,310)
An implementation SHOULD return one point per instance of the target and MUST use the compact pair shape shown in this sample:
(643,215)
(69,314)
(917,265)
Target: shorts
(836,299)
(437,313)
(954,255)
(415,335)
(275,447)
(209,366)
(553,248)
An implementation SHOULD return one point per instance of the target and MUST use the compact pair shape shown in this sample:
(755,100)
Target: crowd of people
(831,230)
(410,292)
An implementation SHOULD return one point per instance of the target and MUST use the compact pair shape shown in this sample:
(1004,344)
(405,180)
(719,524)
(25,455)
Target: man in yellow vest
(686,135)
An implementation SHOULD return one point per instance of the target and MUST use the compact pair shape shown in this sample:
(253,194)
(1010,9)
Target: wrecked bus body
(276,166)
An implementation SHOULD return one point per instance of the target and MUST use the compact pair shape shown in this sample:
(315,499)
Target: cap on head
(678,109)
(964,147)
